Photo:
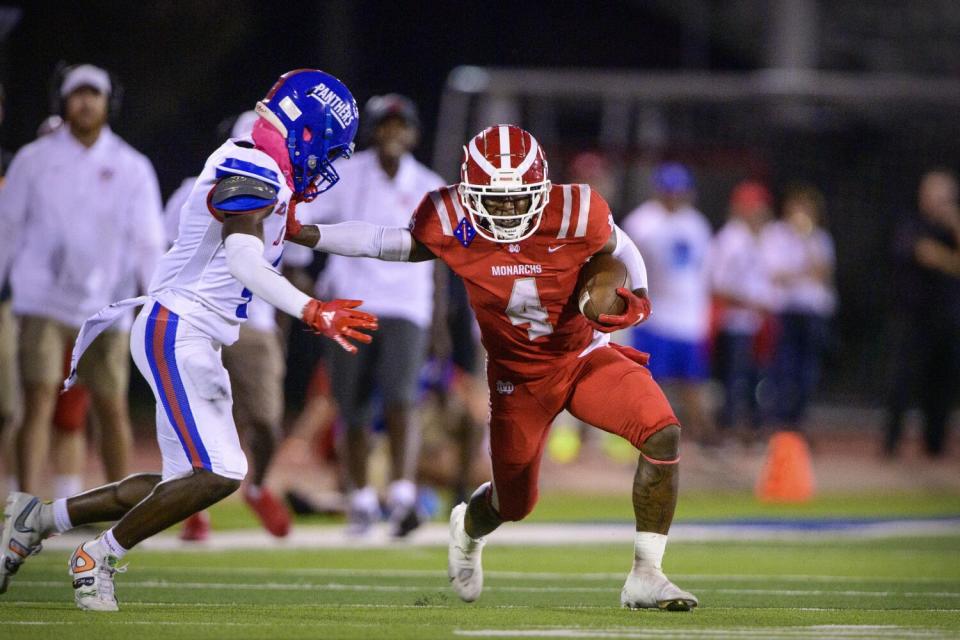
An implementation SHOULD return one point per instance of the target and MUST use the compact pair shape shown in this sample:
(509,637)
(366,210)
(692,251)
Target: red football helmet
(504,161)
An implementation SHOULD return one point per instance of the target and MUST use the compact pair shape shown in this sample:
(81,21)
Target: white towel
(93,327)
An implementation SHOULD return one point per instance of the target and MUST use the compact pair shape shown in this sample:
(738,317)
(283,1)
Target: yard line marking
(375,605)
(824,592)
(197,623)
(546,575)
(824,632)
(542,534)
(811,632)
(340,586)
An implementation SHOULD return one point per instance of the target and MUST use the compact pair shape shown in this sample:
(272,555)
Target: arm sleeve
(362,239)
(13,210)
(246,264)
(147,219)
(626,251)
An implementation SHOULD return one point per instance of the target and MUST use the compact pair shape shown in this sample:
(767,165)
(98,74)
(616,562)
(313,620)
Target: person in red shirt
(519,242)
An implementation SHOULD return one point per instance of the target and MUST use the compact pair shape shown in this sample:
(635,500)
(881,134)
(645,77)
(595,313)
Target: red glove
(638,310)
(338,320)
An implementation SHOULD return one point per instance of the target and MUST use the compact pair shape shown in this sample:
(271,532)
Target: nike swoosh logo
(557,248)
(21,522)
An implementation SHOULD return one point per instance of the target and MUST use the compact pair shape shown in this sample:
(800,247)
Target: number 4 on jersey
(524,308)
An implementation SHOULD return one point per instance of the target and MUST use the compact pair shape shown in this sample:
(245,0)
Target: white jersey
(192,279)
(365,192)
(738,270)
(260,314)
(675,248)
(79,225)
(791,256)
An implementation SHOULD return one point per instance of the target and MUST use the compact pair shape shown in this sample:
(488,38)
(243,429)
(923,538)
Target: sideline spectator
(91,204)
(743,295)
(926,316)
(800,254)
(381,185)
(674,239)
(9,385)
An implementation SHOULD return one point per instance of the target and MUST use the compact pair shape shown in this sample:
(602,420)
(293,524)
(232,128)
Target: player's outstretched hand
(638,310)
(339,320)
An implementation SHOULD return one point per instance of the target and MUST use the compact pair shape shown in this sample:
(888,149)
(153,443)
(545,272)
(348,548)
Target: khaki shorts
(9,389)
(44,345)
(256,367)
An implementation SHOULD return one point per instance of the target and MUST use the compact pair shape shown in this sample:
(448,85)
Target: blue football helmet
(318,118)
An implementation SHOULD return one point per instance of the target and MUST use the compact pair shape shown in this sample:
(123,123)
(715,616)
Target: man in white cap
(80,210)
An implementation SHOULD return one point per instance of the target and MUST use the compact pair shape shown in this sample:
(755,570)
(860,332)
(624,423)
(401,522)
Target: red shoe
(272,513)
(196,528)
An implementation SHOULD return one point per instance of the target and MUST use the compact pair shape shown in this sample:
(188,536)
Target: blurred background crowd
(787,168)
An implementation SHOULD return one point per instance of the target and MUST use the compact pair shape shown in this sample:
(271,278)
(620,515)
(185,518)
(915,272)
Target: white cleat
(463,558)
(92,574)
(21,535)
(650,589)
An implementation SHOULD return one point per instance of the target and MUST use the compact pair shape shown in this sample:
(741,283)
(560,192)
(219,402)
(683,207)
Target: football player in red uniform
(519,242)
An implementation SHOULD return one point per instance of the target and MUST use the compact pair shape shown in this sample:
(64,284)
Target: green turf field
(693,506)
(891,588)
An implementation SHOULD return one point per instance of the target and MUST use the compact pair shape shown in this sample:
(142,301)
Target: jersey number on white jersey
(524,308)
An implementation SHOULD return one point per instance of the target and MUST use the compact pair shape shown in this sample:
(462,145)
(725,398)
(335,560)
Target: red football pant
(604,389)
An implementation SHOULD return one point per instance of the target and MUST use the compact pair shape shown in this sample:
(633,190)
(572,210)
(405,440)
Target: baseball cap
(672,178)
(378,108)
(588,165)
(750,196)
(85,75)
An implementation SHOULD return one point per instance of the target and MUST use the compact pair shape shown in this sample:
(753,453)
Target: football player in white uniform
(232,231)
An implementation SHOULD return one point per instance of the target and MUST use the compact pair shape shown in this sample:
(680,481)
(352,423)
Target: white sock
(648,550)
(111,545)
(61,517)
(401,494)
(365,499)
(66,486)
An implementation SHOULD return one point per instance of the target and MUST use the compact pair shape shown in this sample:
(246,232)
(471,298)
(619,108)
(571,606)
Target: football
(597,286)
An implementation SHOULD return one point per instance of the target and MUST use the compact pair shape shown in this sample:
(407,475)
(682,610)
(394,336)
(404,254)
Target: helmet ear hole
(307,134)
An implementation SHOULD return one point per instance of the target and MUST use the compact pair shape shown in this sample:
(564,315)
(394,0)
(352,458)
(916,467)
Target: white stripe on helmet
(504,147)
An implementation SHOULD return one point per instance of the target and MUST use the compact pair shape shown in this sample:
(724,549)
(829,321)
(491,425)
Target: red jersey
(522,293)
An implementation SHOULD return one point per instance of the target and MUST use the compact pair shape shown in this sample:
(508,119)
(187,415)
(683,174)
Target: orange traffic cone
(787,475)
